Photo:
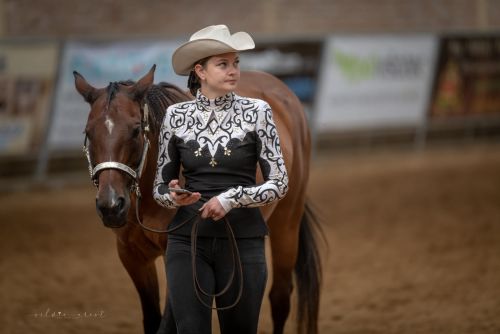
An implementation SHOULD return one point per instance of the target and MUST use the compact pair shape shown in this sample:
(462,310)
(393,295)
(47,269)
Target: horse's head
(116,142)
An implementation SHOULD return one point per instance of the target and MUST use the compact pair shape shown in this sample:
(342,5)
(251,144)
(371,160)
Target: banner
(375,81)
(468,77)
(101,63)
(27,74)
(295,62)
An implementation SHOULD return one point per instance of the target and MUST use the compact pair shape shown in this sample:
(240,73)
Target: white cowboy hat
(209,41)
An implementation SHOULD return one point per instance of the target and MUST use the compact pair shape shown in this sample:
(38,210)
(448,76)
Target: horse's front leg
(141,268)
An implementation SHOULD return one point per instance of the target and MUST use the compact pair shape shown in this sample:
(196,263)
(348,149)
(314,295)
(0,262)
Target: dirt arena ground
(414,247)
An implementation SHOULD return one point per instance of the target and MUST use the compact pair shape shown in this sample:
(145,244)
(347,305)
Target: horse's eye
(136,132)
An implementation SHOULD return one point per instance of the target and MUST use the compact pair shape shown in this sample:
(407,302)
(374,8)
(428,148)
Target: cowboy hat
(209,41)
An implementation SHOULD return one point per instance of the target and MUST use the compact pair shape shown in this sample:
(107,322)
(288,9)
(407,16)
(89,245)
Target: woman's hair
(194,81)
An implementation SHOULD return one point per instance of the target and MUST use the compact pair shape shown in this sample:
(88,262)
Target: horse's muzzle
(113,211)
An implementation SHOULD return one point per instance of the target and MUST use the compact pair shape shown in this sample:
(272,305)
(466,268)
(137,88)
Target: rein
(136,177)
(235,254)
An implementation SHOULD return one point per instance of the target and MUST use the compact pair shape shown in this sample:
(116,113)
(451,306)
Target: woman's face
(220,75)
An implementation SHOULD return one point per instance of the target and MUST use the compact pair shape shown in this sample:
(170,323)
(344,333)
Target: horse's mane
(158,97)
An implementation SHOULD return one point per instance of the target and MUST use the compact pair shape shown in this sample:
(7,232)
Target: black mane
(158,97)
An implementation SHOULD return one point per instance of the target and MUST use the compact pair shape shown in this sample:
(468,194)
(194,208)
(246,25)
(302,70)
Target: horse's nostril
(120,203)
(113,208)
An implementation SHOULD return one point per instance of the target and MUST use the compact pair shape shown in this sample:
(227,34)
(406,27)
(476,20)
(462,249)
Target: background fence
(366,71)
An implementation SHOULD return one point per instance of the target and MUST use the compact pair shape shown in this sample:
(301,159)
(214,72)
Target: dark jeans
(214,267)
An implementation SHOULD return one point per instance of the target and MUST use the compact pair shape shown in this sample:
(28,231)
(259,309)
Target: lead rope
(235,254)
(236,263)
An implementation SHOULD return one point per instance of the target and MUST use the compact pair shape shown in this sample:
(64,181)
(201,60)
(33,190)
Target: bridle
(134,174)
(136,177)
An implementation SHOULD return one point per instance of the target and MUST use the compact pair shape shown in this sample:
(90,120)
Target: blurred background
(403,103)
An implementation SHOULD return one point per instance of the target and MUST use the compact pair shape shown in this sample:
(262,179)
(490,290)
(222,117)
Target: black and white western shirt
(219,142)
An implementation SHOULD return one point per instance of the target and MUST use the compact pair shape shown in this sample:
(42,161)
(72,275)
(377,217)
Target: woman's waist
(193,210)
(213,185)
(208,191)
(246,222)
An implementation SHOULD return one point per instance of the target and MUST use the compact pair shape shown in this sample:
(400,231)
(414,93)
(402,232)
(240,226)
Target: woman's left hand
(212,209)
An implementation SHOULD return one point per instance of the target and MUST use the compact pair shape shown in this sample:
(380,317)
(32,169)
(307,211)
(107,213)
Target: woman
(218,139)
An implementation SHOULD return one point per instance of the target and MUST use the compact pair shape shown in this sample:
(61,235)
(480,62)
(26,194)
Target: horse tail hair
(308,272)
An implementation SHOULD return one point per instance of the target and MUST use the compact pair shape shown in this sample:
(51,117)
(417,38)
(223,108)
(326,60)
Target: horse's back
(290,119)
(288,112)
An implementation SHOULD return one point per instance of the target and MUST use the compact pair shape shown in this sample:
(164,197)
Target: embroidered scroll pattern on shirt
(212,124)
(272,166)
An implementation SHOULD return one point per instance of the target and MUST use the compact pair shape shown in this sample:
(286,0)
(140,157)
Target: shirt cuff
(225,202)
(166,201)
(176,205)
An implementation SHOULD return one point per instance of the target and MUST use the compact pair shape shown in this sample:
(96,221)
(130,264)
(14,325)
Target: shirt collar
(217,104)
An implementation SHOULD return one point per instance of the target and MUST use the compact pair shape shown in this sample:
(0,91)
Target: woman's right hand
(182,199)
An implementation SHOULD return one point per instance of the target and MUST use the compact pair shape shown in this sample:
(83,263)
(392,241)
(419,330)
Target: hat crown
(209,41)
(218,32)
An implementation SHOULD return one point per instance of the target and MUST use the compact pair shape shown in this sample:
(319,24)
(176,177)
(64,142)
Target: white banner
(27,75)
(100,64)
(375,81)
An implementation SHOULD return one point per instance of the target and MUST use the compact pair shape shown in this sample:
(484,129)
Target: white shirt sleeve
(271,163)
(168,165)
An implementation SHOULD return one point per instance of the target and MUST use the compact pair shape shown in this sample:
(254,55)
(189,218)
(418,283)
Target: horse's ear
(143,84)
(88,92)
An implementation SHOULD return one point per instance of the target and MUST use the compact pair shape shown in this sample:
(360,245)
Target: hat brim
(187,54)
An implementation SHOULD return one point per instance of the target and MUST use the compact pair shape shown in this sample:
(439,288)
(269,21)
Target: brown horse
(123,119)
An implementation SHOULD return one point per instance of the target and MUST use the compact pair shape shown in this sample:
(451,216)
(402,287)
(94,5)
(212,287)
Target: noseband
(134,174)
